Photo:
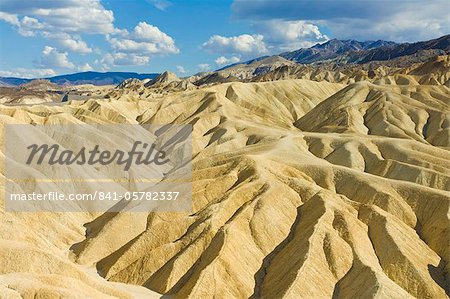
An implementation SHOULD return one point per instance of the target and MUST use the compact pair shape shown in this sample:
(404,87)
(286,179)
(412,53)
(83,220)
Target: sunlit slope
(418,112)
(287,202)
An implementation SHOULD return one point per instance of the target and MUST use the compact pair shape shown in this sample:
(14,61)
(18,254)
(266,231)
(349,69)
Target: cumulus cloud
(180,69)
(152,33)
(203,67)
(62,21)
(69,42)
(85,67)
(81,16)
(9,18)
(160,4)
(290,35)
(75,45)
(129,45)
(66,21)
(122,59)
(398,20)
(242,44)
(26,26)
(145,39)
(29,26)
(28,73)
(222,60)
(137,47)
(52,58)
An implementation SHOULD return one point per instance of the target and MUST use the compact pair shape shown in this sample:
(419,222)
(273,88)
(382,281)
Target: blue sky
(41,38)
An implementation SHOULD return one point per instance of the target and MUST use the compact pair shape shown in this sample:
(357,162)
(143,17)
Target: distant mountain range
(95,78)
(352,51)
(336,61)
(333,49)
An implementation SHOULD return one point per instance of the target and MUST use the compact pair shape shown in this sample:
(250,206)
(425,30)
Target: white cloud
(85,67)
(160,4)
(152,33)
(123,59)
(66,21)
(290,35)
(61,20)
(75,45)
(28,73)
(145,39)
(180,69)
(203,67)
(68,42)
(129,45)
(137,47)
(81,16)
(9,18)
(51,58)
(26,26)
(404,26)
(401,20)
(274,36)
(242,44)
(31,23)
(223,60)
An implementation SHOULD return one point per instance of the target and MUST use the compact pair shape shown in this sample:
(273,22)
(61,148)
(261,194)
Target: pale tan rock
(301,189)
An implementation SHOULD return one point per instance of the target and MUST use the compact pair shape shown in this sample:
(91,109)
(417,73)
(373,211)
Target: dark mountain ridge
(356,52)
(332,49)
(95,78)
(389,52)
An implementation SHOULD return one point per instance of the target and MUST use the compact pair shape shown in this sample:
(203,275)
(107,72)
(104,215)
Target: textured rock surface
(301,189)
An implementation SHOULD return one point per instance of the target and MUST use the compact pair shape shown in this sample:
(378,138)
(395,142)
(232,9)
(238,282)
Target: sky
(43,38)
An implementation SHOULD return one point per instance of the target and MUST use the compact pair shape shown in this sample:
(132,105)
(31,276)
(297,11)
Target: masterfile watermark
(109,196)
(97,167)
(147,156)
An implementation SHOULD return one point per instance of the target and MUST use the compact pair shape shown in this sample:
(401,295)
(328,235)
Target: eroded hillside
(296,184)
